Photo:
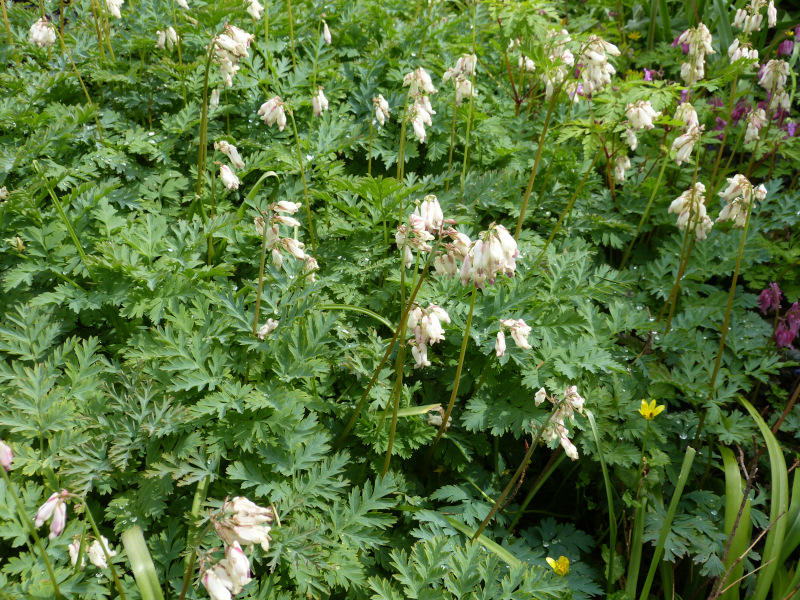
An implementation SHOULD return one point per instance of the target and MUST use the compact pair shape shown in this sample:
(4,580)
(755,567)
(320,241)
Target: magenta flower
(770,298)
(783,335)
(740,111)
(785,48)
(791,128)
(648,74)
(716,102)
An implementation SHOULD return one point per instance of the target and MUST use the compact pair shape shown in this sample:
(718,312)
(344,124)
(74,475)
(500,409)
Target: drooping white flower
(162,37)
(597,71)
(420,354)
(114,6)
(772,14)
(96,555)
(686,113)
(755,121)
(774,75)
(213,102)
(780,99)
(465,66)
(684,144)
(495,252)
(381,109)
(172,38)
(272,111)
(231,152)
(286,206)
(237,567)
(749,20)
(56,508)
(244,522)
(254,9)
(267,328)
(183,4)
(540,396)
(519,332)
(326,33)
(42,33)
(228,177)
(311,267)
(430,213)
(621,164)
(739,50)
(214,586)
(739,196)
(6,456)
(294,247)
(420,82)
(74,548)
(691,210)
(641,115)
(631,139)
(319,102)
(699,42)
(500,344)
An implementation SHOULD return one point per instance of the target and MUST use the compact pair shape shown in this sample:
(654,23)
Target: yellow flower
(650,411)
(560,566)
(634,35)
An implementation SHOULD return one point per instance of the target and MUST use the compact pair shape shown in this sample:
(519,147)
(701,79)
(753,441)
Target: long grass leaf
(741,539)
(612,517)
(144,571)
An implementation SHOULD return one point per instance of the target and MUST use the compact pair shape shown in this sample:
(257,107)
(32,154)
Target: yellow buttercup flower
(634,35)
(650,411)
(560,566)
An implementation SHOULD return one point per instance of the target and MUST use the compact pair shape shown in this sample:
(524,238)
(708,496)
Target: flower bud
(6,456)
(229,178)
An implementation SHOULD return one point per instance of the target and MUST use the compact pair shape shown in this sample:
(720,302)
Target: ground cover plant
(399,300)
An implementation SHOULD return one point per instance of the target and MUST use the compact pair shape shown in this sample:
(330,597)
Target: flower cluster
(319,102)
(788,327)
(739,197)
(96,553)
(42,33)
(691,132)
(699,41)
(275,242)
(770,299)
(596,71)
(621,164)
(455,251)
(254,9)
(755,120)
(773,75)
(460,74)
(749,18)
(55,507)
(494,252)
(426,325)
(267,328)
(231,152)
(421,111)
(168,37)
(691,210)
(230,46)
(640,116)
(381,109)
(272,111)
(114,6)
(561,60)
(426,220)
(519,333)
(742,50)
(239,523)
(524,62)
(564,409)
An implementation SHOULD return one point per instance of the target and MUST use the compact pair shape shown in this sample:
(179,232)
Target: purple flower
(785,48)
(684,96)
(770,298)
(716,102)
(793,318)
(783,335)
(797,33)
(721,124)
(648,74)
(791,128)
(740,111)
(761,71)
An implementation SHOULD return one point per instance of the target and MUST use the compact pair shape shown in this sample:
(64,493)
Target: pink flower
(770,298)
(783,335)
(6,456)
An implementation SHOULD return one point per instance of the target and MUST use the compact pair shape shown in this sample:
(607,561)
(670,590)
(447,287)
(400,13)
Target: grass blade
(612,517)
(144,571)
(741,539)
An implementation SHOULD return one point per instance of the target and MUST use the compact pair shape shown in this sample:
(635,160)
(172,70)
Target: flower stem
(201,154)
(727,127)
(471,103)
(567,210)
(305,187)
(371,127)
(646,211)
(180,57)
(510,486)
(535,169)
(452,140)
(291,31)
(314,82)
(401,158)
(97,30)
(457,378)
(266,27)
(260,277)
(397,394)
(26,519)
(99,539)
(8,31)
(187,576)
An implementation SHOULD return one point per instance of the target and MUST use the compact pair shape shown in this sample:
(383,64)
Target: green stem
(535,169)
(471,105)
(397,394)
(8,31)
(180,57)
(646,211)
(555,460)
(291,32)
(26,519)
(452,139)
(401,154)
(371,127)
(457,378)
(686,468)
(187,576)
(97,31)
(612,518)
(260,276)
(305,187)
(99,539)
(201,154)
(314,82)
(358,309)
(65,220)
(725,133)
(567,210)
(266,27)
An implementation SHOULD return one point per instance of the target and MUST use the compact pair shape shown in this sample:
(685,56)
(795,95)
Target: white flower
(311,267)
(772,14)
(42,33)
(740,197)
(495,252)
(435,420)
(699,41)
(214,100)
(326,33)
(597,71)
(162,37)
(738,51)
(59,521)
(519,332)
(319,103)
(236,567)
(780,100)
(540,396)
(286,220)
(254,9)
(183,4)
(286,206)
(267,328)
(3,193)
(272,112)
(569,448)
(641,115)
(114,6)
(630,138)
(430,214)
(6,456)
(463,89)
(500,344)
(96,555)
(621,163)
(684,144)
(73,549)
(691,210)
(381,109)
(774,75)
(465,65)
(244,522)
(172,38)
(294,248)
(420,354)
(231,152)
(420,82)
(229,178)
(755,121)
(419,129)
(214,586)
(686,113)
